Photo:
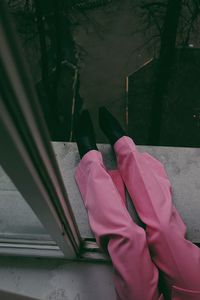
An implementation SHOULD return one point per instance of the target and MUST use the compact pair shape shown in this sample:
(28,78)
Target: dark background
(82,52)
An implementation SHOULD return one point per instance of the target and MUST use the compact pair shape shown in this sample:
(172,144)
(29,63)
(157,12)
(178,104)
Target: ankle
(110,126)
(85,136)
(85,145)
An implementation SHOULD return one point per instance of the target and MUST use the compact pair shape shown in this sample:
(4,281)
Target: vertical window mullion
(25,138)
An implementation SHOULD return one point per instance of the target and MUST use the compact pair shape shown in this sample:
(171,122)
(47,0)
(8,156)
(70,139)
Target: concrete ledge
(183,168)
(46,279)
(8,296)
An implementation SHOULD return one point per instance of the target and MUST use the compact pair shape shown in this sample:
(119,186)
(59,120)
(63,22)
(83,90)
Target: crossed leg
(136,276)
(150,190)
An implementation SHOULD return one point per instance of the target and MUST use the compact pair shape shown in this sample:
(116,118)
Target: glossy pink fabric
(137,255)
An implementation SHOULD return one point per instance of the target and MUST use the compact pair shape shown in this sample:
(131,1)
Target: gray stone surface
(8,296)
(56,279)
(182,166)
(61,280)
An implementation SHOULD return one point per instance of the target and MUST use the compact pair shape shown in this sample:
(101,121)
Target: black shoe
(110,126)
(84,132)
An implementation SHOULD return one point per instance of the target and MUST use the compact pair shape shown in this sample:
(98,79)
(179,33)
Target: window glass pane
(17,220)
(157,104)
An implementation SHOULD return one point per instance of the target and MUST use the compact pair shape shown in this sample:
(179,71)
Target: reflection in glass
(17,220)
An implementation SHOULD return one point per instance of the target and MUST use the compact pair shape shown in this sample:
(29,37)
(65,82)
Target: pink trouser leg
(150,190)
(136,277)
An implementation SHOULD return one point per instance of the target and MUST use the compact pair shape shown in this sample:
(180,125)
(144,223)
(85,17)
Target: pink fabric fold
(184,294)
(137,255)
(135,275)
(150,190)
(119,184)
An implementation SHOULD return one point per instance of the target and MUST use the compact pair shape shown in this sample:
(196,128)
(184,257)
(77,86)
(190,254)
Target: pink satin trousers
(139,255)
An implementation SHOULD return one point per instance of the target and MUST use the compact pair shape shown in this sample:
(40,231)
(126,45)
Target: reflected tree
(44,28)
(172,24)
